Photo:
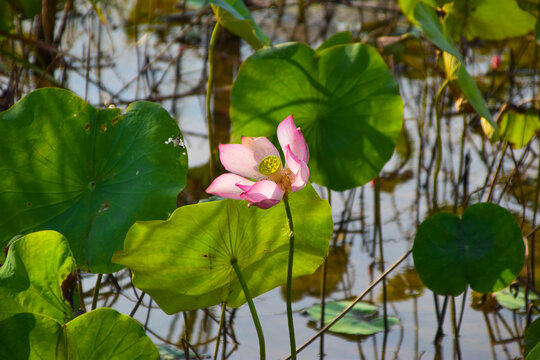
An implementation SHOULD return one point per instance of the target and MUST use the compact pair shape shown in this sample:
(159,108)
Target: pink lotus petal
(241,160)
(228,186)
(291,160)
(301,178)
(264,194)
(288,134)
(261,146)
(299,169)
(244,187)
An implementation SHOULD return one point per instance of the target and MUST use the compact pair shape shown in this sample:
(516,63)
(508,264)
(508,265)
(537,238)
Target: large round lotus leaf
(360,320)
(487,19)
(484,249)
(31,336)
(87,173)
(344,99)
(36,267)
(106,334)
(184,263)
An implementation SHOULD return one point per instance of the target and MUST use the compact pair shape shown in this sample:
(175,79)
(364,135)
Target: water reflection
(338,280)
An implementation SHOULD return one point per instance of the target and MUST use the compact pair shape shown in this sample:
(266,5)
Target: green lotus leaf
(107,334)
(534,354)
(510,300)
(235,17)
(483,249)
(518,128)
(87,173)
(360,320)
(31,336)
(486,19)
(27,8)
(429,21)
(483,19)
(31,279)
(407,7)
(531,339)
(6,20)
(36,319)
(184,263)
(99,334)
(344,99)
(341,38)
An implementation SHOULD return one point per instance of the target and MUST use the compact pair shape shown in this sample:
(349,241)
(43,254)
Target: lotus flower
(256,171)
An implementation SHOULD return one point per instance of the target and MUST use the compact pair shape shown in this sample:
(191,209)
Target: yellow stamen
(269,165)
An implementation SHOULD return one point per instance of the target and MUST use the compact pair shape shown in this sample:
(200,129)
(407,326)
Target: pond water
(148,50)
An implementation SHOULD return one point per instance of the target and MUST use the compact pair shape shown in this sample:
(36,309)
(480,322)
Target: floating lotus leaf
(360,320)
(184,263)
(87,173)
(483,249)
(514,301)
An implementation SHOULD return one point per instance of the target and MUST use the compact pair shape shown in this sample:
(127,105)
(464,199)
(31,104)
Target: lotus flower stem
(220,328)
(210,85)
(96,291)
(256,321)
(289,277)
